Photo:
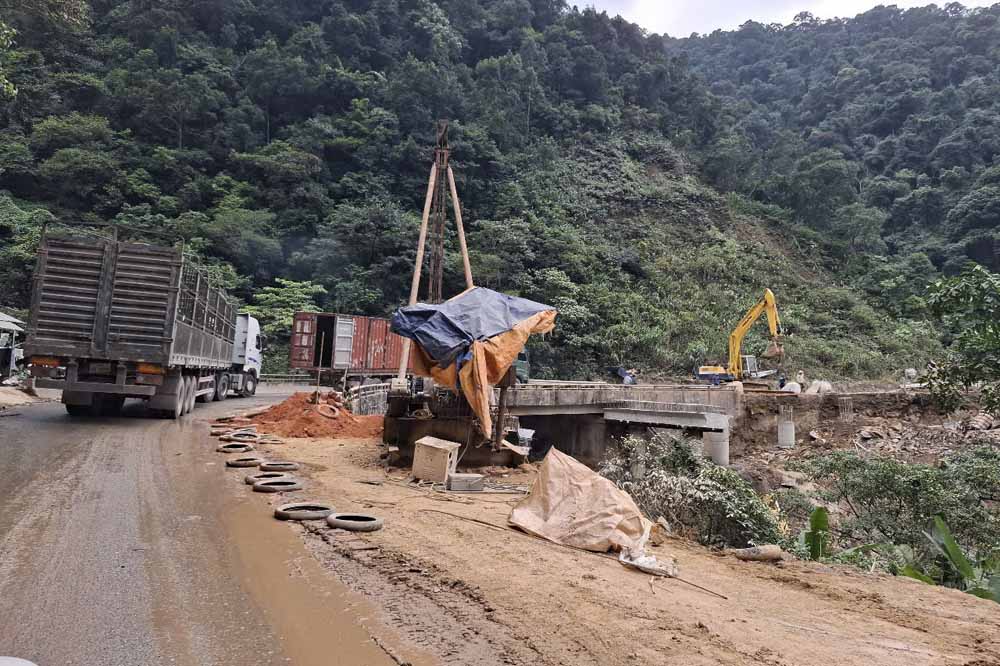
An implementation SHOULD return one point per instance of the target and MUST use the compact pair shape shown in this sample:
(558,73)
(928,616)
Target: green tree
(275,306)
(969,305)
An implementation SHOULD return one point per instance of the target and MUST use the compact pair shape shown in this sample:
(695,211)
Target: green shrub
(711,503)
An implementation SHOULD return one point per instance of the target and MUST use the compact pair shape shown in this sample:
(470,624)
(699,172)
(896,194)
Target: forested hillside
(880,132)
(648,187)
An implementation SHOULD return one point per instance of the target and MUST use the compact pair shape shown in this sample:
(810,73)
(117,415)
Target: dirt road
(125,541)
(514,599)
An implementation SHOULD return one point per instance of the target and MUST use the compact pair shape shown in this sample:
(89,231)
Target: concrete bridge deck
(579,416)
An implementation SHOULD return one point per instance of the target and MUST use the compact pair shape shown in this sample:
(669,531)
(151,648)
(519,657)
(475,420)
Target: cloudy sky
(679,18)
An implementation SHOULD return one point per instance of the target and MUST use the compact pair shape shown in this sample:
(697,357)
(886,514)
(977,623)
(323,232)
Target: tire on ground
(278,466)
(234,447)
(248,461)
(354,522)
(251,479)
(303,511)
(285,485)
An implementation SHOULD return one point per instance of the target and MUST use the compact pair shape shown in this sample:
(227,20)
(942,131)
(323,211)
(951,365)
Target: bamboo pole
(415,285)
(461,229)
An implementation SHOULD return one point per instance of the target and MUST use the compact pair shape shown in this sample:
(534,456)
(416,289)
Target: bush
(705,501)
(892,502)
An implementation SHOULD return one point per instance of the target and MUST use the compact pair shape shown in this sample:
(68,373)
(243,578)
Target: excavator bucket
(774,350)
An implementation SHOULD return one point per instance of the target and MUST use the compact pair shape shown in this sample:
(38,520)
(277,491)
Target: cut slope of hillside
(663,268)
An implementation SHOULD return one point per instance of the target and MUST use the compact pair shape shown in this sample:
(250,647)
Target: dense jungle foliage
(648,187)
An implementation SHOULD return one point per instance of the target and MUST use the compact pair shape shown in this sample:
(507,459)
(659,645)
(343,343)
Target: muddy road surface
(123,541)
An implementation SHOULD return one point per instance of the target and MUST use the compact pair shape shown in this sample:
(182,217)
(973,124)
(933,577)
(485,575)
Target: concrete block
(466,482)
(434,459)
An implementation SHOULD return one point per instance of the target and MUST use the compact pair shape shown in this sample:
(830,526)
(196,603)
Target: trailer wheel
(192,387)
(177,408)
(208,397)
(222,387)
(249,385)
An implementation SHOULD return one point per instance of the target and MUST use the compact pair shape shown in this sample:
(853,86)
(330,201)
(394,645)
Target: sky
(679,18)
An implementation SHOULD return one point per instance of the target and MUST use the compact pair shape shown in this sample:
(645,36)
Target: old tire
(354,522)
(222,387)
(278,466)
(248,461)
(241,437)
(234,447)
(249,385)
(251,479)
(303,511)
(285,485)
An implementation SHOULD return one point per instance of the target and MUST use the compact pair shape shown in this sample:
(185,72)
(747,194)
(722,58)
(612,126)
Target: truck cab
(248,354)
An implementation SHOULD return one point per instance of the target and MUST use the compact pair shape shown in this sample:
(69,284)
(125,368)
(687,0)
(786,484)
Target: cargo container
(359,346)
(111,320)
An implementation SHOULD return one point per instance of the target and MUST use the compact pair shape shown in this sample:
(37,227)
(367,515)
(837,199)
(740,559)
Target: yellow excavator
(743,367)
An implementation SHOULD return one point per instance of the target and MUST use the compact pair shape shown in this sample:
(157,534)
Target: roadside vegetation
(936,523)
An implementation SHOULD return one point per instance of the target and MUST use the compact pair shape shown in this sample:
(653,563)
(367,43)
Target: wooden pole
(415,285)
(461,229)
(319,362)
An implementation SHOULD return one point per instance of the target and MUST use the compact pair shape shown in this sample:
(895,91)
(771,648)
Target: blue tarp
(447,330)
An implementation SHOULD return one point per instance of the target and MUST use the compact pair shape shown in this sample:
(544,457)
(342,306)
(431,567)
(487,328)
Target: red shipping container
(373,349)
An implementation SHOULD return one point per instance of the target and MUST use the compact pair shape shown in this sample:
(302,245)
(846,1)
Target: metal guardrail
(371,400)
(288,379)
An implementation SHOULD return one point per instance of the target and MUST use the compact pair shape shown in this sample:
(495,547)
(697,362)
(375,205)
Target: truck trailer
(362,347)
(112,320)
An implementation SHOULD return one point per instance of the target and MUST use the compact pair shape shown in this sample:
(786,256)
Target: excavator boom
(765,305)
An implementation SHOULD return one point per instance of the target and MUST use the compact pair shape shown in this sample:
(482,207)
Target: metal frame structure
(435,206)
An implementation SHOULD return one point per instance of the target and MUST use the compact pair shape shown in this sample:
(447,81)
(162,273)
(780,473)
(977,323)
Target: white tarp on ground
(571,504)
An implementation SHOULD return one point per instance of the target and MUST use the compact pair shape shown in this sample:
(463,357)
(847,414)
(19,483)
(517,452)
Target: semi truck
(112,319)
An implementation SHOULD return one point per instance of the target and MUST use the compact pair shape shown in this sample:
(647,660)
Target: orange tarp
(489,363)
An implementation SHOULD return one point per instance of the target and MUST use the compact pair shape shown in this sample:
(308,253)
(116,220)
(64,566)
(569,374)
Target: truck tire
(192,386)
(182,391)
(222,387)
(177,408)
(249,385)
(208,397)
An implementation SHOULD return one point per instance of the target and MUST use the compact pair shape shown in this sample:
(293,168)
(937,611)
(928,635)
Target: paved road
(126,542)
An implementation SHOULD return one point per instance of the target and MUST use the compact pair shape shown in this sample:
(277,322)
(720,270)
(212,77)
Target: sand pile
(301,416)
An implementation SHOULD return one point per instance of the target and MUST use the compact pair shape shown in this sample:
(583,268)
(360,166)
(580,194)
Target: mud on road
(125,541)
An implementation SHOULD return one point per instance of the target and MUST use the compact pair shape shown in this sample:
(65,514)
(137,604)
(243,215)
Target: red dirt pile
(302,416)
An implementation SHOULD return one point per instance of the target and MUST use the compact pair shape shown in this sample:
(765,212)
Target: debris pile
(316,414)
